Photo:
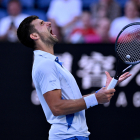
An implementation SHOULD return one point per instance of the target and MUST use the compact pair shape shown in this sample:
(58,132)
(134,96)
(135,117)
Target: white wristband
(90,100)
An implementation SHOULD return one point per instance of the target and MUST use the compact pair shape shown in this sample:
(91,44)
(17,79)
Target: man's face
(44,30)
(86,19)
(131,10)
(105,1)
(14,8)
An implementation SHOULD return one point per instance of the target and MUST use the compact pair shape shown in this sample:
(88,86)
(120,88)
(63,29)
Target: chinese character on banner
(92,69)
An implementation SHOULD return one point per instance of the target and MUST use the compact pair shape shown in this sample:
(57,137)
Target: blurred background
(86,30)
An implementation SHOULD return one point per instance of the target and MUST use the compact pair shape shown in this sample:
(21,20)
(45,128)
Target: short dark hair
(25,29)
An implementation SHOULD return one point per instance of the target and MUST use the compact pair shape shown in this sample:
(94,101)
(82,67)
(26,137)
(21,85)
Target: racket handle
(112,83)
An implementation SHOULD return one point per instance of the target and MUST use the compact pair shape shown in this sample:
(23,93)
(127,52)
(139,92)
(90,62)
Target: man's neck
(45,48)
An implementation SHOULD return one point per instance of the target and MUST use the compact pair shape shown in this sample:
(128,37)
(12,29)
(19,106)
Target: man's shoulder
(48,62)
(22,15)
(118,19)
(5,19)
(44,64)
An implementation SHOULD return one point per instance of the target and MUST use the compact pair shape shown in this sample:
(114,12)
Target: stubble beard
(49,41)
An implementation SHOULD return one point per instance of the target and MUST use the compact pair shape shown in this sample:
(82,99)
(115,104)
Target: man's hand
(121,78)
(104,95)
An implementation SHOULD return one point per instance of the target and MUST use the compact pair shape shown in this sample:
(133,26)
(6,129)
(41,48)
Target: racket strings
(128,44)
(132,46)
(127,55)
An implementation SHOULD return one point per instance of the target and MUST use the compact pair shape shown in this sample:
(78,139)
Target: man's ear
(34,36)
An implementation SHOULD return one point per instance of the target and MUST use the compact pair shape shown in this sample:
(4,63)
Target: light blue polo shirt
(48,74)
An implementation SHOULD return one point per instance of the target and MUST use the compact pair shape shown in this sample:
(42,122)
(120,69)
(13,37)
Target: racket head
(127,45)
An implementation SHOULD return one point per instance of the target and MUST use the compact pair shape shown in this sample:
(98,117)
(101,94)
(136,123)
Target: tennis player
(61,100)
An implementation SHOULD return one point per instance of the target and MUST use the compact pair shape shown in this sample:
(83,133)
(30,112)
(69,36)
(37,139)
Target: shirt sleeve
(48,78)
(77,8)
(4,25)
(114,28)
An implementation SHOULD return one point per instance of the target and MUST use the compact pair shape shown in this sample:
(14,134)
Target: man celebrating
(61,100)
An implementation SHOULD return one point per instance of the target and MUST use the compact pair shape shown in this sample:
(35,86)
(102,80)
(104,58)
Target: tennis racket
(127,48)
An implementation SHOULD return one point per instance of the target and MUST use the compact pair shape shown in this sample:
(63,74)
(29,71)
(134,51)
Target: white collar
(44,54)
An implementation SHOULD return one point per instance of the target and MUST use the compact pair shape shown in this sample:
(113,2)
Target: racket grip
(112,84)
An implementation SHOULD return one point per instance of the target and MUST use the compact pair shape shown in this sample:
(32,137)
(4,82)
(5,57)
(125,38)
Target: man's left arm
(109,78)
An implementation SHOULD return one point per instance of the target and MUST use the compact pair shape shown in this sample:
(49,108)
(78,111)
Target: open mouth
(51,32)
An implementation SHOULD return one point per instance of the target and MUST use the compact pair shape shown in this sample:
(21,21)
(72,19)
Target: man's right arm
(64,107)
(50,87)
